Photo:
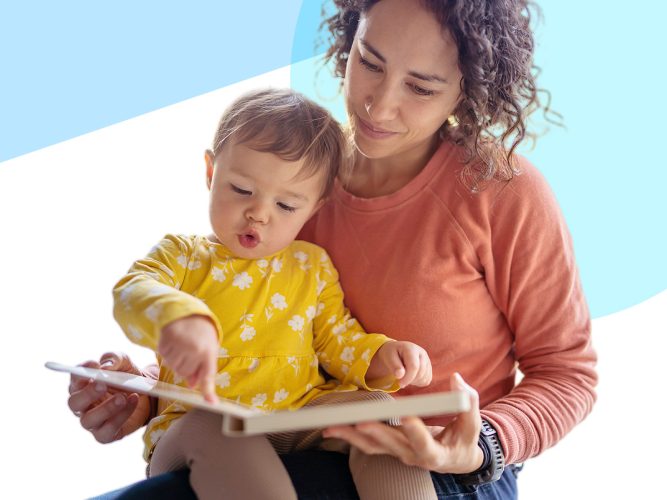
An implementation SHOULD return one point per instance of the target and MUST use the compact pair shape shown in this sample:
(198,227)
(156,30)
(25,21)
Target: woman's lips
(373,132)
(249,239)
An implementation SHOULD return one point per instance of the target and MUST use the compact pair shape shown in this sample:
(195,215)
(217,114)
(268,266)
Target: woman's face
(402,79)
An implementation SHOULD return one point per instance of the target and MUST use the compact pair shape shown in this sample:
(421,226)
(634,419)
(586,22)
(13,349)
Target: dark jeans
(317,475)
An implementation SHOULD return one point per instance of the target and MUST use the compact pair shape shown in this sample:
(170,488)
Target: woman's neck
(373,177)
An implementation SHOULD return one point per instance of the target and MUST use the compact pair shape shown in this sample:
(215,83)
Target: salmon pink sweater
(485,281)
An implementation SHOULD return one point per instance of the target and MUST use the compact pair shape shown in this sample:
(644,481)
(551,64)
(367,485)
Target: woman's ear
(208,158)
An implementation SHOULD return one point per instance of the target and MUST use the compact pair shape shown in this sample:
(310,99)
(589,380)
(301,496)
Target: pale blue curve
(603,63)
(72,66)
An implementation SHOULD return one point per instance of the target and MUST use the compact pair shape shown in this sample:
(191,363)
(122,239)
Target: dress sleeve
(149,296)
(531,273)
(343,348)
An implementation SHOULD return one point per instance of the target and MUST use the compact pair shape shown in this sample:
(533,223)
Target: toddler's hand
(189,346)
(405,361)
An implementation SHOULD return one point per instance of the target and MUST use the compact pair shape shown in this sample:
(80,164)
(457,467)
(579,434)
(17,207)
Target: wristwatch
(494,460)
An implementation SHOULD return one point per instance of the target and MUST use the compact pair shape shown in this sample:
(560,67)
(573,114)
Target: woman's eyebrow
(415,74)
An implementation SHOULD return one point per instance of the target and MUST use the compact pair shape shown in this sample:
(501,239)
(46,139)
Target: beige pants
(232,468)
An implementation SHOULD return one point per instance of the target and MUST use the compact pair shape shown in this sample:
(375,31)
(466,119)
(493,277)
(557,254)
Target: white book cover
(240,419)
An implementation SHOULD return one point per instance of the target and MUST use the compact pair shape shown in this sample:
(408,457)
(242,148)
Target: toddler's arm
(154,311)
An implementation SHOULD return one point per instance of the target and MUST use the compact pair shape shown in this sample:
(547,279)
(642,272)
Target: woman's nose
(381,103)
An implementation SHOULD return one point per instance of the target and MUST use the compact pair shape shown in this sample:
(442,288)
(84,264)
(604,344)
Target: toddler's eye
(286,208)
(238,190)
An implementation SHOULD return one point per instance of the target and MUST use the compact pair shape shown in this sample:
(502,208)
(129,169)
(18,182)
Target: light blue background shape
(67,68)
(72,66)
(602,61)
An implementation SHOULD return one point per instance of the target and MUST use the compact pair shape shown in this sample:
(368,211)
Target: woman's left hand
(453,450)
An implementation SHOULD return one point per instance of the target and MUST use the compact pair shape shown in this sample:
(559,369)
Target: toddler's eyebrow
(415,74)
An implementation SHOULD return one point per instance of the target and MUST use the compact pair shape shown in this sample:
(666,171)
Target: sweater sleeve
(149,296)
(343,348)
(531,273)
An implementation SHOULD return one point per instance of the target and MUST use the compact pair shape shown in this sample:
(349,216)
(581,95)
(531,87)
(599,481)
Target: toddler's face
(257,206)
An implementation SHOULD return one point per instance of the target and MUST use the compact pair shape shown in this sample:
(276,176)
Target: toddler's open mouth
(249,239)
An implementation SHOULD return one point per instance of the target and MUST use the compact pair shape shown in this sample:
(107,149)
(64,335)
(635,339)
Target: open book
(239,419)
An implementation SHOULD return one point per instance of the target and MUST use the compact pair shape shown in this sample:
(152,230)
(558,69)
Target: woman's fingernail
(119,400)
(106,363)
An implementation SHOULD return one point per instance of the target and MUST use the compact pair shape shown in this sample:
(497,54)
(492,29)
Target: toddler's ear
(208,158)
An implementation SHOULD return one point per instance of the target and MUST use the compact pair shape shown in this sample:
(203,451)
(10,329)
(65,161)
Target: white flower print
(296,323)
(247,333)
(366,356)
(345,369)
(313,362)
(309,387)
(347,355)
(253,365)
(358,382)
(301,257)
(152,312)
(324,258)
(262,263)
(218,274)
(339,328)
(276,265)
(310,312)
(268,312)
(126,292)
(183,262)
(223,353)
(294,364)
(223,380)
(303,260)
(246,317)
(357,336)
(351,322)
(332,320)
(320,285)
(320,308)
(280,395)
(242,281)
(134,332)
(278,301)
(259,400)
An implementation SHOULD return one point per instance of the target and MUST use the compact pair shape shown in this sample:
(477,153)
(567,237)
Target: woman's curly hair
(495,45)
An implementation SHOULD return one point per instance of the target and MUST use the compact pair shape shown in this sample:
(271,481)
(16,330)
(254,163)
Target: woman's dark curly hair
(495,45)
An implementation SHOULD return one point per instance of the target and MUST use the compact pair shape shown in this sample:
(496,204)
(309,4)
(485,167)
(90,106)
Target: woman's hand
(452,450)
(109,415)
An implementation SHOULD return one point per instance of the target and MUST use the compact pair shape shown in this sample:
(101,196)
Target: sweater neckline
(412,188)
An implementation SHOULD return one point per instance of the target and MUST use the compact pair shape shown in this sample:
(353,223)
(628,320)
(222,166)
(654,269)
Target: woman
(444,237)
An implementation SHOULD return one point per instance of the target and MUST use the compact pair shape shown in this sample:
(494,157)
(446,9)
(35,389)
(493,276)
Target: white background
(75,215)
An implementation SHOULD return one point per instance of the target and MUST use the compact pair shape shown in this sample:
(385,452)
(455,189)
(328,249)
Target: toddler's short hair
(289,125)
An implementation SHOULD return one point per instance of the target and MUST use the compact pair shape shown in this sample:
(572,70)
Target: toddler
(250,314)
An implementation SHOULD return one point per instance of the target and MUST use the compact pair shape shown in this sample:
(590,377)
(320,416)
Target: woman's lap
(317,475)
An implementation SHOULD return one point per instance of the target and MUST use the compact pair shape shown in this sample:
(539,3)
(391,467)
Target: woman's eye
(368,65)
(238,190)
(420,90)
(286,208)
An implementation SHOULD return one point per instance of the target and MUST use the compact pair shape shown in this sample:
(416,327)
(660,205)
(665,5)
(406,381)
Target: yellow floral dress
(279,319)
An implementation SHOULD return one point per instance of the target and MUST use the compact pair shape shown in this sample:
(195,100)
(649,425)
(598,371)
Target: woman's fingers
(120,408)
(78,383)
(469,423)
(87,396)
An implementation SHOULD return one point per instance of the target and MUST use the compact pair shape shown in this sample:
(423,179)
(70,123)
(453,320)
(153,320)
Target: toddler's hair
(289,125)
